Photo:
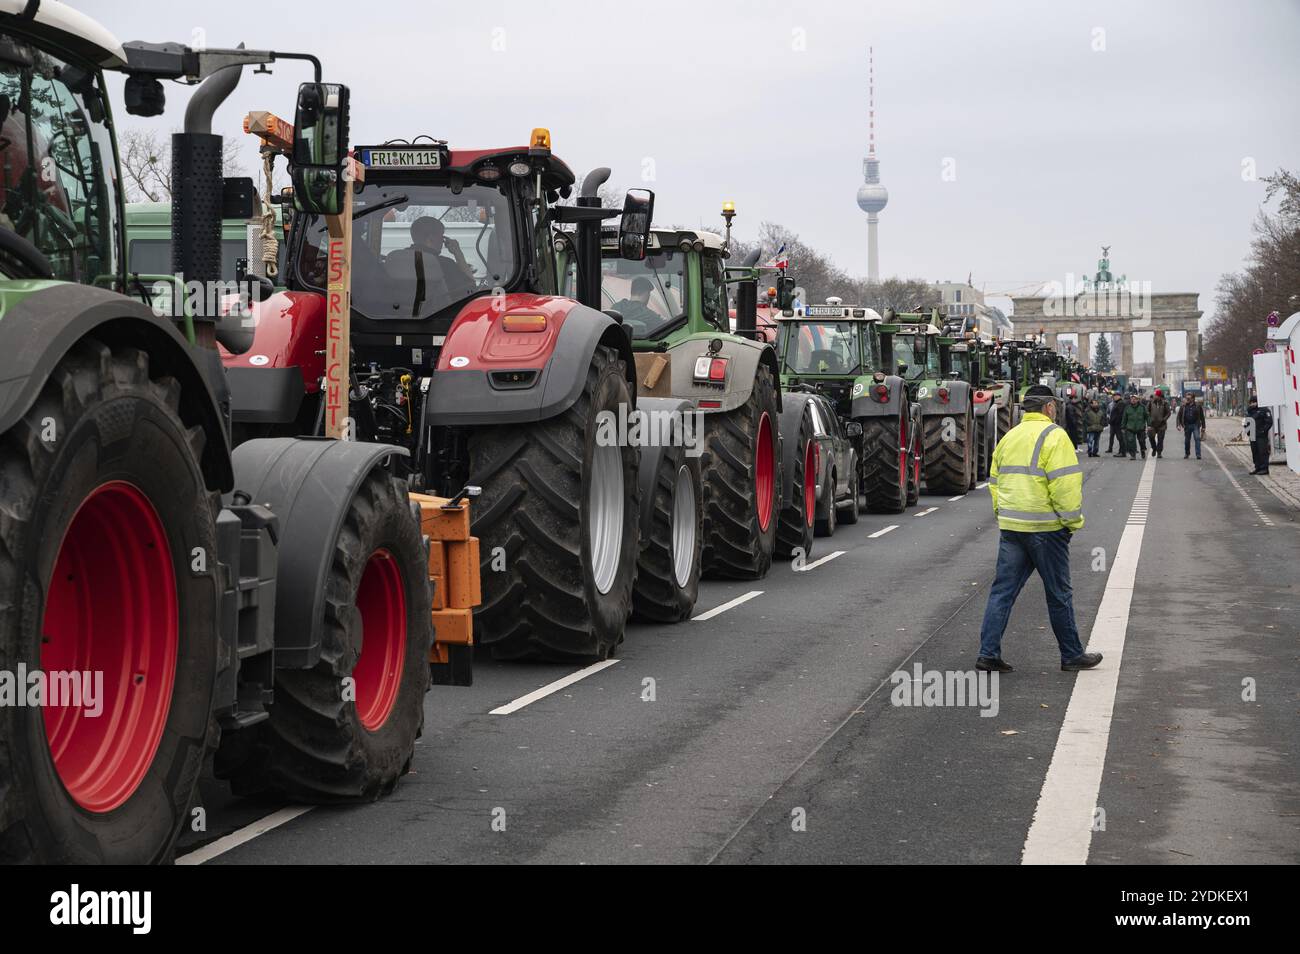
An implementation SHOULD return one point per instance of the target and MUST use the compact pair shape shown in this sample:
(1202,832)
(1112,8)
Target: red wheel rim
(110,615)
(810,482)
(765,472)
(902,452)
(381,601)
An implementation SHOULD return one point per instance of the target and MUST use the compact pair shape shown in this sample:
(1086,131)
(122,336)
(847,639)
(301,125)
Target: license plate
(402,158)
(824,311)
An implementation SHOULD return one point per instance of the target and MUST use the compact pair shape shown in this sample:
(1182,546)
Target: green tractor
(221,597)
(947,402)
(971,359)
(673,304)
(844,352)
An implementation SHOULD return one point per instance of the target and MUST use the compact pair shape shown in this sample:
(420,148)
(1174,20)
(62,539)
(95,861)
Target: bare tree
(147,164)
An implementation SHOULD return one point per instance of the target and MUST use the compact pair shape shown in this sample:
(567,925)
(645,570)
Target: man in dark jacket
(1191,421)
(1135,427)
(1094,422)
(1260,448)
(1116,425)
(1074,422)
(1159,413)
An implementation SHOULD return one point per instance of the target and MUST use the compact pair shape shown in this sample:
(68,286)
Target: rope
(270,244)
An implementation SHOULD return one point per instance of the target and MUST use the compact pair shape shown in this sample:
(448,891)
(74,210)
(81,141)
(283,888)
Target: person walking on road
(1094,422)
(1135,425)
(1159,414)
(1260,448)
(1116,425)
(1036,482)
(1191,421)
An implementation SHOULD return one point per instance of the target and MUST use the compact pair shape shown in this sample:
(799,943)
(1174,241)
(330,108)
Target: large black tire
(536,509)
(668,568)
(794,529)
(947,464)
(738,544)
(1004,419)
(345,730)
(884,477)
(829,516)
(850,511)
(104,508)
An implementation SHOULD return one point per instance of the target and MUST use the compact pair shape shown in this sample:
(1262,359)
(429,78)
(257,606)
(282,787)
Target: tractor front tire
(668,569)
(105,509)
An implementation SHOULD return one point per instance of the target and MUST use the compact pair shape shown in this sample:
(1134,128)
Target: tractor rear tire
(1004,419)
(886,467)
(742,480)
(668,569)
(794,530)
(104,512)
(570,560)
(948,463)
(345,730)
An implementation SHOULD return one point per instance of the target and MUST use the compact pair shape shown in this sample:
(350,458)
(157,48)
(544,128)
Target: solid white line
(219,847)
(1240,489)
(881,533)
(816,563)
(1061,832)
(549,688)
(922,513)
(709,614)
(958,497)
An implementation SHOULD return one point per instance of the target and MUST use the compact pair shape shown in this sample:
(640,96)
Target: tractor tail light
(525,323)
(710,370)
(943,395)
(881,392)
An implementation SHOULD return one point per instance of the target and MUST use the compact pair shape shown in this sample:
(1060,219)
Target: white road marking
(881,533)
(552,687)
(958,497)
(717,610)
(922,513)
(1263,517)
(246,834)
(1061,832)
(981,486)
(816,563)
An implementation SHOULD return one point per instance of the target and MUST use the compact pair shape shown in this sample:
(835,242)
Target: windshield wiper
(386,204)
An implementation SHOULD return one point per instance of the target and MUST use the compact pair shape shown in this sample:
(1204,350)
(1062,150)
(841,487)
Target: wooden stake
(338,312)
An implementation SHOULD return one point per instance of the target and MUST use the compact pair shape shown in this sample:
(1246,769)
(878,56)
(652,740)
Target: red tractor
(463,351)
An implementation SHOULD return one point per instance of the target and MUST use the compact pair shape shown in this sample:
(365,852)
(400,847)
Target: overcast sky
(1068,124)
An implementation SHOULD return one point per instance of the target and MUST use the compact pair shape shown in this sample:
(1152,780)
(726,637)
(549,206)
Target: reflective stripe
(993,480)
(1069,514)
(1062,471)
(1049,517)
(1017,469)
(1038,447)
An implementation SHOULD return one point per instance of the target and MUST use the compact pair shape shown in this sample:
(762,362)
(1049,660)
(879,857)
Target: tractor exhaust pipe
(747,298)
(197,187)
(588,238)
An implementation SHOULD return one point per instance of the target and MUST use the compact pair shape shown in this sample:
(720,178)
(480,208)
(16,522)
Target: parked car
(838,490)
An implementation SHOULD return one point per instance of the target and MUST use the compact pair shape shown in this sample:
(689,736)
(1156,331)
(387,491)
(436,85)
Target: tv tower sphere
(872,197)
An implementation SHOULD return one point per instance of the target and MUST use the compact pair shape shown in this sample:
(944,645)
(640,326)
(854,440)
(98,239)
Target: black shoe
(1255,472)
(1086,661)
(992,664)
(1185,456)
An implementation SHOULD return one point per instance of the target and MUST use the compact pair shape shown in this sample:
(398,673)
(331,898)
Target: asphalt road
(767,732)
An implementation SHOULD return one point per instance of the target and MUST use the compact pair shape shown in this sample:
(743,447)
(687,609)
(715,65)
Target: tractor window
(649,294)
(909,350)
(960,363)
(822,347)
(419,248)
(58,186)
(713,292)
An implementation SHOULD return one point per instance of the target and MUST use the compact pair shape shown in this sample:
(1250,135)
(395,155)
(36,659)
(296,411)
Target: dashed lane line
(246,834)
(1061,832)
(882,531)
(922,513)
(816,563)
(730,604)
(552,687)
(958,497)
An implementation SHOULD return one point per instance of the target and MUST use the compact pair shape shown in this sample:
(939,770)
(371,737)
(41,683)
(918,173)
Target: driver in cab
(635,309)
(437,277)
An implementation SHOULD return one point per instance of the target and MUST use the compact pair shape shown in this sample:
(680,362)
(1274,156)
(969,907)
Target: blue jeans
(1019,555)
(1094,442)
(1188,434)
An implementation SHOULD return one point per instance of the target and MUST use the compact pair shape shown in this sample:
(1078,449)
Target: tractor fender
(743,359)
(793,410)
(865,405)
(959,398)
(308,483)
(659,430)
(38,331)
(462,391)
(277,360)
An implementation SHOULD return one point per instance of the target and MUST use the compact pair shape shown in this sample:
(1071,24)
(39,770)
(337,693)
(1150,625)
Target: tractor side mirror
(785,293)
(320,137)
(634,227)
(853,429)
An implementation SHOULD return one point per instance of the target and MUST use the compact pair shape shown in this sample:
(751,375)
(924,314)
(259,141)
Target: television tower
(872,196)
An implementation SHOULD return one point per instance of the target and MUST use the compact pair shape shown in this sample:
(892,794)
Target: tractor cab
(914,346)
(834,348)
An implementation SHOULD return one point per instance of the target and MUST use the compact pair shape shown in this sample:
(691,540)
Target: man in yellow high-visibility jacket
(1036,483)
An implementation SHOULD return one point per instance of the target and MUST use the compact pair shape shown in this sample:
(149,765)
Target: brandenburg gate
(1107,305)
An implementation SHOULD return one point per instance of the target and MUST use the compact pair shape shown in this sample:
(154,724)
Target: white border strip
(1061,832)
(1263,517)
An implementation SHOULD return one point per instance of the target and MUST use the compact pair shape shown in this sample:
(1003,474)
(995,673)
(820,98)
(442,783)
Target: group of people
(1134,421)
